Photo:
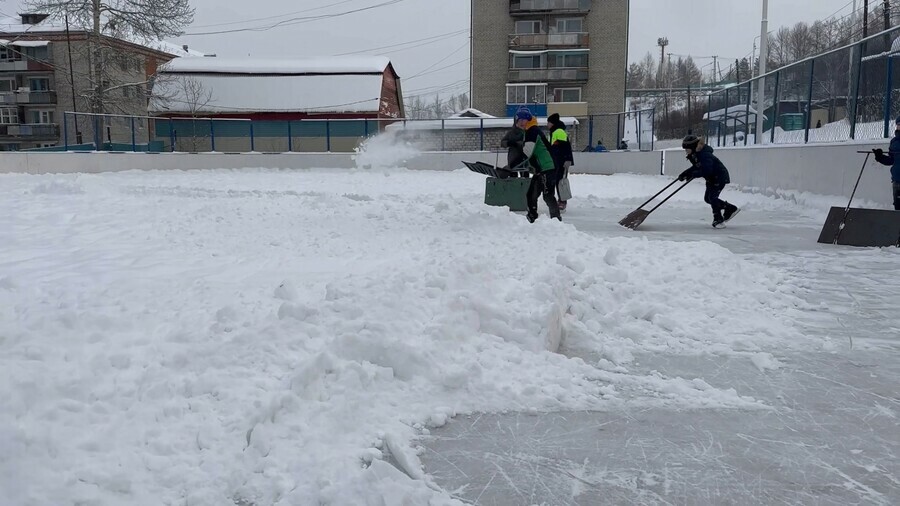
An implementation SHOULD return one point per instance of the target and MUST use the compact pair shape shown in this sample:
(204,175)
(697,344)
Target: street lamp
(761,85)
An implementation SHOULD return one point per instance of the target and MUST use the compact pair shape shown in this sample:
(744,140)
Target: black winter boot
(730,211)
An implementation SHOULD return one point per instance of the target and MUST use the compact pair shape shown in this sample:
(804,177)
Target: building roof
(270,93)
(10,25)
(298,66)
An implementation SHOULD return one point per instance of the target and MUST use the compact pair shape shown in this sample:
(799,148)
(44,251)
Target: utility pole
(662,42)
(761,83)
(865,18)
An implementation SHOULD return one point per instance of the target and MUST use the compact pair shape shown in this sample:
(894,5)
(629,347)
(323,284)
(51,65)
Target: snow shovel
(636,217)
(840,229)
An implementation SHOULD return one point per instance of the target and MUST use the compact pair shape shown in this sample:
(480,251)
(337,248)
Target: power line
(296,21)
(465,60)
(432,39)
(442,60)
(273,17)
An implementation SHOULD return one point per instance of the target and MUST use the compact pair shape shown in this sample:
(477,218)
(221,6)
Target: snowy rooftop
(323,65)
(13,25)
(284,93)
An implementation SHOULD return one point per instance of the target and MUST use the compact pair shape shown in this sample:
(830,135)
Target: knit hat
(553,119)
(523,113)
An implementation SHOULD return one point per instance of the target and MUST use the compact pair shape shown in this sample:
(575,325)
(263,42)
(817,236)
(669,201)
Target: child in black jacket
(706,165)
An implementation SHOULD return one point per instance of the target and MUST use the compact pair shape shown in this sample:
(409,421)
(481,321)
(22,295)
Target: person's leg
(531,198)
(711,197)
(548,187)
(896,196)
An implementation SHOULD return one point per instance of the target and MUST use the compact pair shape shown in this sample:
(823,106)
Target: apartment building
(38,84)
(553,56)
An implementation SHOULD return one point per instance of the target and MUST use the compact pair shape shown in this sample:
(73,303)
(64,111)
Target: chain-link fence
(847,93)
(633,130)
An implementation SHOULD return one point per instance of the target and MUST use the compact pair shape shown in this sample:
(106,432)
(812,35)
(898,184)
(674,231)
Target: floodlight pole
(761,84)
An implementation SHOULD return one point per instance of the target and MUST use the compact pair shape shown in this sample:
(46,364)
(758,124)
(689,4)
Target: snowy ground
(263,337)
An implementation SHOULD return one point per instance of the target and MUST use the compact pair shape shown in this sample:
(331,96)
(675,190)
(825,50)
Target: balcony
(39,131)
(525,7)
(13,66)
(543,40)
(27,97)
(547,75)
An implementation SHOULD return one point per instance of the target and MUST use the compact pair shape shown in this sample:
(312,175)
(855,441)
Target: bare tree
(184,96)
(136,20)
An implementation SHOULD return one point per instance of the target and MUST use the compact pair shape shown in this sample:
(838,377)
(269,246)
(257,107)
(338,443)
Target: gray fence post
(481,134)
(290,138)
(859,51)
(812,75)
(775,103)
(66,132)
(747,113)
(212,135)
(133,137)
(887,96)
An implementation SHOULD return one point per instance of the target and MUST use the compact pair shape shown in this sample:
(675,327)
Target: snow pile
(385,150)
(270,337)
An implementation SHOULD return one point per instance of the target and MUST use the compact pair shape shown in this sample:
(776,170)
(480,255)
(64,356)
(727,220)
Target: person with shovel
(537,152)
(706,165)
(892,158)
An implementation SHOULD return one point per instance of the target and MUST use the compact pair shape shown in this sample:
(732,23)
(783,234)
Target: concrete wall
(827,169)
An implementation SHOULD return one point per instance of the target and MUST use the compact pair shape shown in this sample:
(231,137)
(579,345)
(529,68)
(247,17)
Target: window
(569,25)
(524,27)
(7,85)
(526,61)
(567,60)
(42,116)
(8,116)
(9,54)
(39,84)
(567,95)
(36,53)
(526,94)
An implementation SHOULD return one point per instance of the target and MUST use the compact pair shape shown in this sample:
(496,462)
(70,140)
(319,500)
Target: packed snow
(260,337)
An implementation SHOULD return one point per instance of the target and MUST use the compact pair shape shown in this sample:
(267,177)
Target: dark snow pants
(712,198)
(543,184)
(896,196)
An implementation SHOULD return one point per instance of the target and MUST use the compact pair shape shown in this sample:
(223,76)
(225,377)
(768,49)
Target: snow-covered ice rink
(381,337)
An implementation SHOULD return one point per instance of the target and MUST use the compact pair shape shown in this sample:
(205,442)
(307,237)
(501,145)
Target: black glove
(878,152)
(686,175)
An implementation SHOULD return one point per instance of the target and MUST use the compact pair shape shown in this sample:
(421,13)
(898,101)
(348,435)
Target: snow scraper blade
(634,218)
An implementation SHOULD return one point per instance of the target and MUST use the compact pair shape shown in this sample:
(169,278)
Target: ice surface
(262,337)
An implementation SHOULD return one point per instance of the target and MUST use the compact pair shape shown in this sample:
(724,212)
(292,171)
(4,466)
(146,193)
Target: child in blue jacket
(706,165)
(892,159)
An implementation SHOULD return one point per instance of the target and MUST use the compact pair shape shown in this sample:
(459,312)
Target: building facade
(274,105)
(46,70)
(552,56)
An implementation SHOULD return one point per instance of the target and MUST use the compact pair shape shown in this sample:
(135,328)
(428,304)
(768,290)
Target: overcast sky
(429,47)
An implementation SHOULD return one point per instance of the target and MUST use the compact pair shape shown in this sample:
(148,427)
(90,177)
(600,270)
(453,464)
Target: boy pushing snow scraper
(703,164)
(706,165)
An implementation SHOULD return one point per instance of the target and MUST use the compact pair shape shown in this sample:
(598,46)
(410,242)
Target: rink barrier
(825,169)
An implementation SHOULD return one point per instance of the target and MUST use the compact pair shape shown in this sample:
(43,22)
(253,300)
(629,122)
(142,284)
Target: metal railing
(850,92)
(525,6)
(111,132)
(579,40)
